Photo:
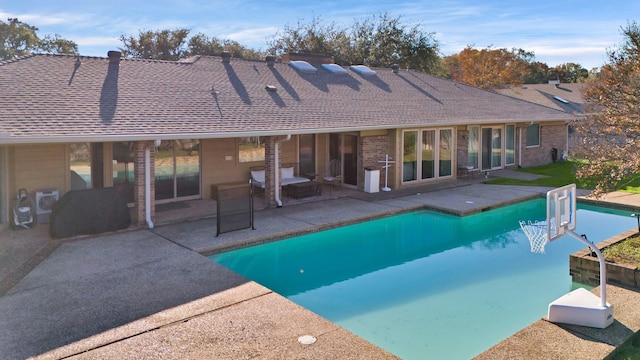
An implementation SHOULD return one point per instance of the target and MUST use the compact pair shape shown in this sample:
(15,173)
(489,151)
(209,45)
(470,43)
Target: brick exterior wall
(585,268)
(139,184)
(551,136)
(269,176)
(372,149)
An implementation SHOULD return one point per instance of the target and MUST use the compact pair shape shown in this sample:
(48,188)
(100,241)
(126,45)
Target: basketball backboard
(561,211)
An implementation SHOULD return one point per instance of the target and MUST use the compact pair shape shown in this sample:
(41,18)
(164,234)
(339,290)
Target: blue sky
(557,31)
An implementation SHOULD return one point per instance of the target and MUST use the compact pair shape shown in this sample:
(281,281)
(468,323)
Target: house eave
(6,139)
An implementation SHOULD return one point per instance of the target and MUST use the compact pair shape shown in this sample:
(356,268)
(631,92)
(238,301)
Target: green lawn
(560,174)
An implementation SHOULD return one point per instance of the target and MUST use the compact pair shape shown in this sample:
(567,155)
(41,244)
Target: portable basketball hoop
(579,307)
(536,231)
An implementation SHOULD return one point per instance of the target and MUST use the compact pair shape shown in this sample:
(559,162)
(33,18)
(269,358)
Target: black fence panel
(234,208)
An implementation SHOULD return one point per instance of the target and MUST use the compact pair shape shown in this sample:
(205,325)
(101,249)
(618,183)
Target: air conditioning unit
(45,198)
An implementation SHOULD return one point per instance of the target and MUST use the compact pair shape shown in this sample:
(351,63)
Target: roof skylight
(561,99)
(363,70)
(334,69)
(303,66)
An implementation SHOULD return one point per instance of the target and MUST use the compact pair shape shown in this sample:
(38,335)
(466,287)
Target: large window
(473,146)
(533,135)
(510,145)
(86,164)
(307,154)
(427,154)
(491,148)
(409,157)
(251,149)
(177,169)
(123,167)
(445,153)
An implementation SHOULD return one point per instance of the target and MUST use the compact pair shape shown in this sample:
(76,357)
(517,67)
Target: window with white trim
(533,135)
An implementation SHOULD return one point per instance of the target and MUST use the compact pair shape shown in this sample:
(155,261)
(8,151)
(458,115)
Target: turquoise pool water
(425,284)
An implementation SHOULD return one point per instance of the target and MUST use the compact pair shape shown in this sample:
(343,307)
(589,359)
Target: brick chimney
(114,57)
(226,57)
(271,60)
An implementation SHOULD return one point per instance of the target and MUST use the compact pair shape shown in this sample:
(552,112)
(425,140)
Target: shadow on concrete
(105,282)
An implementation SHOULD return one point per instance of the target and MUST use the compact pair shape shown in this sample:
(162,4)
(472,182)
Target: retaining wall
(585,267)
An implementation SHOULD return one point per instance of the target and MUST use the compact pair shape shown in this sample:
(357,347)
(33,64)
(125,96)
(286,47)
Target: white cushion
(294,180)
(287,172)
(258,175)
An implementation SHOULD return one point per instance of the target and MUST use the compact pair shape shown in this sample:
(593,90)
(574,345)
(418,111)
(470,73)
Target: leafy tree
(378,41)
(54,44)
(610,133)
(314,38)
(242,52)
(568,73)
(159,45)
(489,67)
(201,44)
(537,73)
(382,41)
(21,39)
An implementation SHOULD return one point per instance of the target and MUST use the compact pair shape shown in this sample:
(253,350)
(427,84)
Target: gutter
(147,184)
(277,168)
(6,139)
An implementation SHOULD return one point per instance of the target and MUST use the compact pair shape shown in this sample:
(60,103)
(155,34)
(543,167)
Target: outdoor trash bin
(371,180)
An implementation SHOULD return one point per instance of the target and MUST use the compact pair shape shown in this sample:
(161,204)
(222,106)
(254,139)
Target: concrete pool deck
(152,294)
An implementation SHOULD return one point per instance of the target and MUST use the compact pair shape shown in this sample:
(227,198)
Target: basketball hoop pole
(603,266)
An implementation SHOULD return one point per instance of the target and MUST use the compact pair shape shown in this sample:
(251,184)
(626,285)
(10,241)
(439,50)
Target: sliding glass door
(177,170)
(491,148)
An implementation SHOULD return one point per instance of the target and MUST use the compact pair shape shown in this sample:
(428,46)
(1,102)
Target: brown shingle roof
(544,94)
(54,97)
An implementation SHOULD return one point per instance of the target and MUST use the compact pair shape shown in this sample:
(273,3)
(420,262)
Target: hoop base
(581,307)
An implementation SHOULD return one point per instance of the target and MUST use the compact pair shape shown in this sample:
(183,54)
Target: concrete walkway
(152,294)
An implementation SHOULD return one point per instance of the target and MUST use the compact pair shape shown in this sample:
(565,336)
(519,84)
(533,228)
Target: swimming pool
(427,284)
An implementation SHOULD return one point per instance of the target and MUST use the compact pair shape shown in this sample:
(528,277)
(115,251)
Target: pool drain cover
(306,339)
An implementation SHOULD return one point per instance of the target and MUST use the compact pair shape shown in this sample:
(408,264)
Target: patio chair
(333,177)
(463,166)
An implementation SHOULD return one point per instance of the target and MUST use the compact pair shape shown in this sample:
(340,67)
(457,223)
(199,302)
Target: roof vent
(395,68)
(270,60)
(362,70)
(303,66)
(226,57)
(271,88)
(114,56)
(334,69)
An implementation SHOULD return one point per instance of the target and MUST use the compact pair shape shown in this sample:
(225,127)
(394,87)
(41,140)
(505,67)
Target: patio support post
(142,149)
(269,159)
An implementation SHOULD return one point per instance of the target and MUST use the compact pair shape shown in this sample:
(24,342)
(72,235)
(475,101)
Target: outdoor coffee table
(305,189)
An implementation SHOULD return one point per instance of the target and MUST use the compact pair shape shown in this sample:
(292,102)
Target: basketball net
(536,231)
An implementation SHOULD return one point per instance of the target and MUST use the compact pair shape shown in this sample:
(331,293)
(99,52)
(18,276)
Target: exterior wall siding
(552,135)
(38,166)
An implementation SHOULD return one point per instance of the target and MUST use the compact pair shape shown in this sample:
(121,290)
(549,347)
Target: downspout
(147,184)
(277,168)
(520,148)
